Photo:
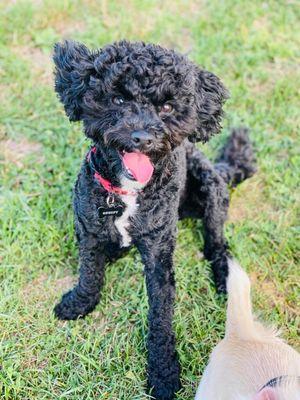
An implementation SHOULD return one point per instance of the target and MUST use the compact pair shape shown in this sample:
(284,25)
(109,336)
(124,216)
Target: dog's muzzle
(142,140)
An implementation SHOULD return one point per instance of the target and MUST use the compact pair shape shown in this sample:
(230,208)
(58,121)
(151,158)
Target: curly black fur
(236,161)
(184,183)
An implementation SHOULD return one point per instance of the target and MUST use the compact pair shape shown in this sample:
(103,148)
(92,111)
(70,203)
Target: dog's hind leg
(207,198)
(207,195)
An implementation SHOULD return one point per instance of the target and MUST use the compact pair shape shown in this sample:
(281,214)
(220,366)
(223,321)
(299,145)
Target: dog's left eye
(165,108)
(118,100)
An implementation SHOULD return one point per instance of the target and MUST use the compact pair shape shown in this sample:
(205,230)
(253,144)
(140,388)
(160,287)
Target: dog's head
(137,97)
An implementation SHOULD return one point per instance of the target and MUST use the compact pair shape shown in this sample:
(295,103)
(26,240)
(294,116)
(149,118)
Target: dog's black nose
(142,139)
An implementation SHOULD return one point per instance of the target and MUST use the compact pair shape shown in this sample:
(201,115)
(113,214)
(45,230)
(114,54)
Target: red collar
(112,189)
(106,184)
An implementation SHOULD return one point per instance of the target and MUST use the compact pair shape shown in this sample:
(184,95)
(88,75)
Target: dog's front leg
(84,297)
(163,365)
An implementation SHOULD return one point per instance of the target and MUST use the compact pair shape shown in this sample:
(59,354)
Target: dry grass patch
(248,201)
(280,68)
(14,152)
(262,23)
(44,289)
(64,19)
(67,30)
(3,94)
(148,21)
(39,61)
(275,71)
(273,295)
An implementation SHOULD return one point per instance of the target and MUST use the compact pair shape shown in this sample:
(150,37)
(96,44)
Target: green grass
(254,48)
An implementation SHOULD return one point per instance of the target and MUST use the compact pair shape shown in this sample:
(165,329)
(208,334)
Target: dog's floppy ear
(73,68)
(210,95)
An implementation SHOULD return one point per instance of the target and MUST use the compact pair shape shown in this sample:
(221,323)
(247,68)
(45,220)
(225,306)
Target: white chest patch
(122,223)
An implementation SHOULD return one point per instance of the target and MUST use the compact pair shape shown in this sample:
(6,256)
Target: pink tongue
(139,165)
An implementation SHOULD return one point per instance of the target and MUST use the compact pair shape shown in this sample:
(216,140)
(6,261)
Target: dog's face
(137,97)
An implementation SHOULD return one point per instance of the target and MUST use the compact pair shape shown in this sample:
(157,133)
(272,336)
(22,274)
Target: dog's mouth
(137,166)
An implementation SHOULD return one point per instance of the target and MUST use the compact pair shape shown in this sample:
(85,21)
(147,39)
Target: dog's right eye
(118,100)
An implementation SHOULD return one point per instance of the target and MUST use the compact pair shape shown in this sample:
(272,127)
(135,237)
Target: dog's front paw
(163,383)
(73,306)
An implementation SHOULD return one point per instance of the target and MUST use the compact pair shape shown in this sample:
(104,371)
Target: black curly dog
(143,106)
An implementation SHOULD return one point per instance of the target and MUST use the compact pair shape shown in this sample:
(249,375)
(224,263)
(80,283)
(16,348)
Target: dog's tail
(240,321)
(236,161)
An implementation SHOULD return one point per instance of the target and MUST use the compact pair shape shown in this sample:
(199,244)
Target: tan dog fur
(250,355)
